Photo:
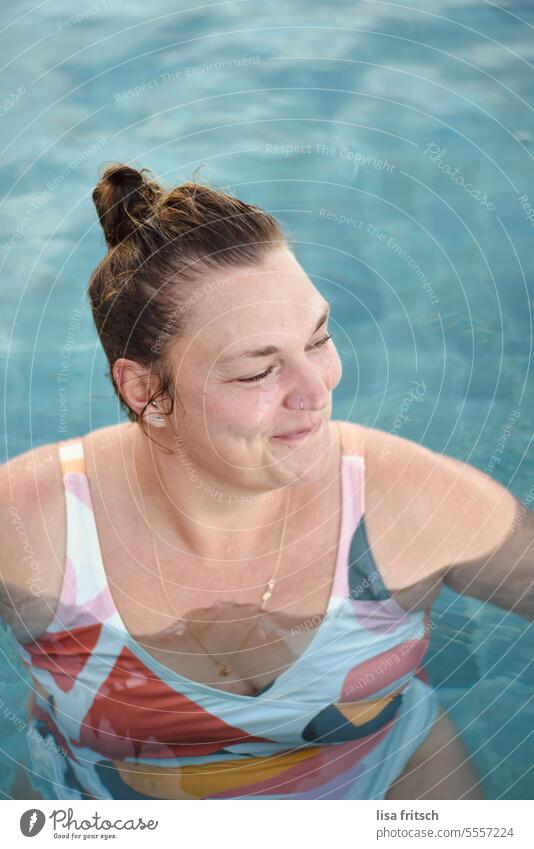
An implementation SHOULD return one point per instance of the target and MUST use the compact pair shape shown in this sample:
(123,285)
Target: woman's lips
(297,435)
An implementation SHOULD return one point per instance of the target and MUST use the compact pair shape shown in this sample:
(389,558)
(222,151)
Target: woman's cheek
(263,400)
(334,370)
(246,410)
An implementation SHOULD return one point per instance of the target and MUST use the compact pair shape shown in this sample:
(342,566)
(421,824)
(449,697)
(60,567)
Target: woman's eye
(265,374)
(256,377)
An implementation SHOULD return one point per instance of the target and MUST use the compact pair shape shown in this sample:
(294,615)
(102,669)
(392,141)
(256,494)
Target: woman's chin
(309,458)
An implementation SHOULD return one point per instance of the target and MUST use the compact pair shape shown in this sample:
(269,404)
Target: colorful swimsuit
(340,723)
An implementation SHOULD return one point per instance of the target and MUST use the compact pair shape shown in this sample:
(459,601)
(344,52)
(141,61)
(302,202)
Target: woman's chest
(205,619)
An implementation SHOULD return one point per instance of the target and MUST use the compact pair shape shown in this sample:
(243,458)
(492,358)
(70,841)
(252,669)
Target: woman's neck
(180,512)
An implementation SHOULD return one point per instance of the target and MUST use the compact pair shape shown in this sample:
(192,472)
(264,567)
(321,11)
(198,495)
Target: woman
(232,592)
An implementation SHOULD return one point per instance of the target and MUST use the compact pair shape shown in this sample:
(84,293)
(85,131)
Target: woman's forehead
(255,300)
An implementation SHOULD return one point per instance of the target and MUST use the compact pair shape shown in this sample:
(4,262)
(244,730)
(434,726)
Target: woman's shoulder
(33,530)
(32,492)
(352,435)
(32,541)
(426,510)
(29,483)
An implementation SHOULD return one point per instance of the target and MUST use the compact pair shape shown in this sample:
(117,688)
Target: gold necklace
(224,668)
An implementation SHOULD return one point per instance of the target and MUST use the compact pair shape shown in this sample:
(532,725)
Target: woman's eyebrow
(269,350)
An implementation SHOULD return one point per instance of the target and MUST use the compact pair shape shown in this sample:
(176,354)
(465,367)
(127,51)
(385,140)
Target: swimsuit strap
(71,456)
(84,598)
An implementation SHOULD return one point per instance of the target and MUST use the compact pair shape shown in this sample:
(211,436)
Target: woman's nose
(310,384)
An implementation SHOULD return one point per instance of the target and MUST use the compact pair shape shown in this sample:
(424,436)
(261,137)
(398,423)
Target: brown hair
(158,240)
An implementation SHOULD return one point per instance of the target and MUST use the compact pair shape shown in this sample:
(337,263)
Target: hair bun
(124,199)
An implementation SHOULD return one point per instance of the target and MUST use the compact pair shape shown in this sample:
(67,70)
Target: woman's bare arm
(435,515)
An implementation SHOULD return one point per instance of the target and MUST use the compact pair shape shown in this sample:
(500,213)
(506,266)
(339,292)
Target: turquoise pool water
(396,145)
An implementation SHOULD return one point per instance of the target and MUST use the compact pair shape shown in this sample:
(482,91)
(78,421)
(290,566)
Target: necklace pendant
(224,671)
(268,592)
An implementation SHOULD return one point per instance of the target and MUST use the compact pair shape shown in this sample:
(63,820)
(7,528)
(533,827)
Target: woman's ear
(133,383)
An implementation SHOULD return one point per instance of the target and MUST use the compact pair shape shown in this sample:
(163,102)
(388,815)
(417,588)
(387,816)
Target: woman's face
(231,403)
